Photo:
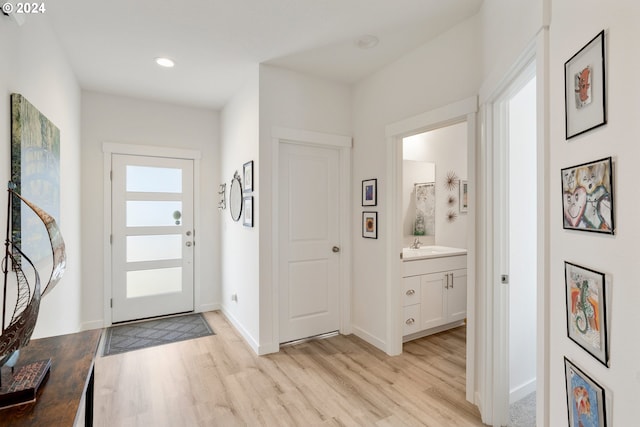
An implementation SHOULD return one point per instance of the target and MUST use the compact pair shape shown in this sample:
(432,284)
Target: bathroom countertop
(427,252)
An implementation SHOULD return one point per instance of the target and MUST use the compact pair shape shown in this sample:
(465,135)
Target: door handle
(336,249)
(188,244)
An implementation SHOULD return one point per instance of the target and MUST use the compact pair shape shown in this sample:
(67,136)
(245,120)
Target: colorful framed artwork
(585,398)
(585,94)
(370,225)
(247,173)
(587,310)
(464,196)
(35,172)
(587,197)
(247,220)
(370,192)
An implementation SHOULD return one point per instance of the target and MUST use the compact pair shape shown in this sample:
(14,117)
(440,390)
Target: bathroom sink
(431,252)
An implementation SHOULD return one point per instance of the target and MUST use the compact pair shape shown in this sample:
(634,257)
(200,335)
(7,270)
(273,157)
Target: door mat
(150,333)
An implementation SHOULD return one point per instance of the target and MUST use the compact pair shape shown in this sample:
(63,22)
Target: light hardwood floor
(339,381)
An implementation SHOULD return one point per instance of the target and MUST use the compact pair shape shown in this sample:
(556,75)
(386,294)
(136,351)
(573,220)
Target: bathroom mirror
(419,200)
(235,197)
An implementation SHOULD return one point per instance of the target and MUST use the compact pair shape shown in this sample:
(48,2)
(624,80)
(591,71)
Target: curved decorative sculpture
(25,314)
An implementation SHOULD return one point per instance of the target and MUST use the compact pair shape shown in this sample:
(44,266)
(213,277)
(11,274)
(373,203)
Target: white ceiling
(217,43)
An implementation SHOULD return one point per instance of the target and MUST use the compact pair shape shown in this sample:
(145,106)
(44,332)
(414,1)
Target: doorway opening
(458,274)
(517,139)
(434,231)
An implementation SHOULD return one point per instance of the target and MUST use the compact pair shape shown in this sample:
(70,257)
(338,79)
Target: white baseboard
(240,328)
(208,307)
(522,390)
(94,324)
(371,339)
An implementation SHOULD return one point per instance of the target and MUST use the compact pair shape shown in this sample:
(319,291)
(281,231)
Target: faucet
(416,244)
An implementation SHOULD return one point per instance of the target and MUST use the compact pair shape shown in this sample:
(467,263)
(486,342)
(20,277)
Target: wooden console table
(66,398)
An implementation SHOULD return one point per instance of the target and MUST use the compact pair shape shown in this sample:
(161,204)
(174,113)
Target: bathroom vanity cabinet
(434,293)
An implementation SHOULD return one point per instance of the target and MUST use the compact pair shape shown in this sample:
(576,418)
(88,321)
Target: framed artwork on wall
(587,310)
(370,225)
(587,197)
(247,220)
(464,196)
(585,398)
(247,173)
(370,192)
(585,94)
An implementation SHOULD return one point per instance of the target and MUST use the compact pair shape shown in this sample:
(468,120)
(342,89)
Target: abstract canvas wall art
(35,171)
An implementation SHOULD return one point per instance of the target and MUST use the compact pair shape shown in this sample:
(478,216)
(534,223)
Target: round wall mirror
(235,197)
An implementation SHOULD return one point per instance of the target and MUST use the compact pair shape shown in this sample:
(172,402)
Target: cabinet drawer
(411,319)
(410,290)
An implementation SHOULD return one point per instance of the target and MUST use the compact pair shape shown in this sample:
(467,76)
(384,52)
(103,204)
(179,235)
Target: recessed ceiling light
(367,42)
(165,62)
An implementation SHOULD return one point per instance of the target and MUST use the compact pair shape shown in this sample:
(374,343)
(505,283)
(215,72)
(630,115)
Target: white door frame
(108,149)
(457,112)
(326,140)
(493,379)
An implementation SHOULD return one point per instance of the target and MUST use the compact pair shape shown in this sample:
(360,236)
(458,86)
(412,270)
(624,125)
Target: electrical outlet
(234,297)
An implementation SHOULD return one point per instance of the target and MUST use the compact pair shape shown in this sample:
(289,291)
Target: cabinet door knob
(410,292)
(410,321)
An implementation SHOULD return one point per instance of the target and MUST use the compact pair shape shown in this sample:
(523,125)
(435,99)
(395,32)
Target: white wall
(444,70)
(447,147)
(574,24)
(116,119)
(34,65)
(240,245)
(522,242)
(296,101)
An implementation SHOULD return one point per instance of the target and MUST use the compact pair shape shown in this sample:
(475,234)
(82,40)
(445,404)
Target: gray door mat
(150,333)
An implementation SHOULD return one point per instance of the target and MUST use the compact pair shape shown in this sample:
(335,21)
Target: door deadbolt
(188,244)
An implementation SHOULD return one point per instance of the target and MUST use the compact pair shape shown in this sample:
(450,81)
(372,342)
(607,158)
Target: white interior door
(309,236)
(152,236)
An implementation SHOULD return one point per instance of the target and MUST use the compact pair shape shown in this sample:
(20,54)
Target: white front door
(309,236)
(152,236)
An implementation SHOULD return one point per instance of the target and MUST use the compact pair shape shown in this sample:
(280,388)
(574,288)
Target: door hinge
(111,303)
(110,175)
(504,279)
(111,239)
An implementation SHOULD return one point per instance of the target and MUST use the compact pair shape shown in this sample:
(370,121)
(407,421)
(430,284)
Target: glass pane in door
(142,283)
(147,213)
(154,248)
(148,179)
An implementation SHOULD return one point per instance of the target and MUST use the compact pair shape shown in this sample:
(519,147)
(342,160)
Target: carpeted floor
(150,333)
(523,412)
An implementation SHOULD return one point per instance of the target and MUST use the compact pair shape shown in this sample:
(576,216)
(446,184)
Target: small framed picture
(585,398)
(247,173)
(585,95)
(587,310)
(587,197)
(247,220)
(370,225)
(464,196)
(370,192)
